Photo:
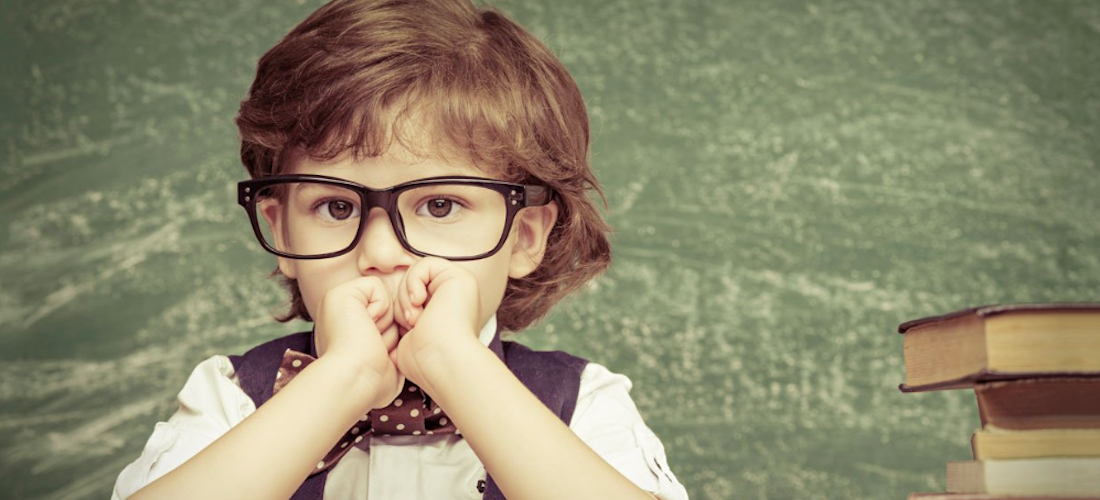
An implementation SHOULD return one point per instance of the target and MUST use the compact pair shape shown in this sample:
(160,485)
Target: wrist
(363,385)
(440,364)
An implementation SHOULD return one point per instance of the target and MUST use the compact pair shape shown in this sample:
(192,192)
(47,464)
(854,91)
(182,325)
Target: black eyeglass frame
(516,197)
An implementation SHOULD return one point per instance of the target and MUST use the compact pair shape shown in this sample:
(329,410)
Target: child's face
(386,258)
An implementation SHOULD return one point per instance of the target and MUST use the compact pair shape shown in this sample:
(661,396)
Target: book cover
(1040,403)
(1063,477)
(1002,342)
(996,443)
(982,496)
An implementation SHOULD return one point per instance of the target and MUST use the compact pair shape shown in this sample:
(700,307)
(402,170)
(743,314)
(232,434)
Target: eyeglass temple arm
(536,195)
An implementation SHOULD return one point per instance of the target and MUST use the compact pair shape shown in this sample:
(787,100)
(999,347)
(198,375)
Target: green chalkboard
(787,180)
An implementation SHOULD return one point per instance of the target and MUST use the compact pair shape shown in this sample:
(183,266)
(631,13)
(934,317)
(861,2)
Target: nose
(379,247)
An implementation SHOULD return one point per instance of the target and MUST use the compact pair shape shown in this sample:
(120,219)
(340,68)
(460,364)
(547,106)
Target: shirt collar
(488,331)
(490,337)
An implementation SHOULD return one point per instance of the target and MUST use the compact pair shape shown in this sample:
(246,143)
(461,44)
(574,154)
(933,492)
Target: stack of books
(1035,369)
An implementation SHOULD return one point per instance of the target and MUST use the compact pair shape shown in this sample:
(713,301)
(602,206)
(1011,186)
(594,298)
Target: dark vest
(553,376)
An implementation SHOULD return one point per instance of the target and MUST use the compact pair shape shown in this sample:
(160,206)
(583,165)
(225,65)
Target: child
(420,170)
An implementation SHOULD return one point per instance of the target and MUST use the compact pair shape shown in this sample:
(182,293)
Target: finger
(345,308)
(424,278)
(420,276)
(390,337)
(368,291)
(358,303)
(377,298)
(382,313)
(415,285)
(378,311)
(382,310)
(436,272)
(386,321)
(402,305)
(414,296)
(373,290)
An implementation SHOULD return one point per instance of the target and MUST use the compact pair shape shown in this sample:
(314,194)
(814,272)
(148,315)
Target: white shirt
(212,402)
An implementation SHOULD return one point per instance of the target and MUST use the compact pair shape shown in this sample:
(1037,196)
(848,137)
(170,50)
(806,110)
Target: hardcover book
(1002,342)
(1058,477)
(1040,403)
(995,443)
(982,496)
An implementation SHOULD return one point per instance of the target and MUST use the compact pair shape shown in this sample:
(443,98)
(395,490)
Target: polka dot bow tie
(412,413)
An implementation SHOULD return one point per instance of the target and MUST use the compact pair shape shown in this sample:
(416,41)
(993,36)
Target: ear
(534,226)
(272,212)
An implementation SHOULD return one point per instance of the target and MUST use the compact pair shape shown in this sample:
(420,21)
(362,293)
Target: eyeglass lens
(447,220)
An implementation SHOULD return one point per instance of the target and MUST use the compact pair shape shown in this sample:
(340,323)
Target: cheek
(317,278)
(492,279)
(310,296)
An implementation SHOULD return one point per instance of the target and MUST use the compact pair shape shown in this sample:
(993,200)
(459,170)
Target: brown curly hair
(351,78)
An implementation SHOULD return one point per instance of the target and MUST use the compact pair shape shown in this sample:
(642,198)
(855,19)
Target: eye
(334,210)
(439,207)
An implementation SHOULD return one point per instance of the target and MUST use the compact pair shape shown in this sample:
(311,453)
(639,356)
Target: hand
(355,322)
(438,302)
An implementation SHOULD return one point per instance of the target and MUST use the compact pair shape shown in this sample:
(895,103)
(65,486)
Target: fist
(355,322)
(438,303)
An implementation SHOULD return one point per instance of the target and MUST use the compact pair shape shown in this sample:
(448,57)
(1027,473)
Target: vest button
(481,486)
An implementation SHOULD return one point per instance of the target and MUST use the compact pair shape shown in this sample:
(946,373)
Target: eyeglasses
(456,218)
